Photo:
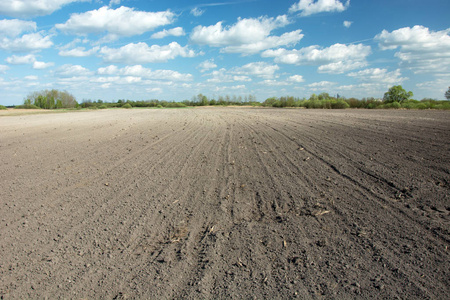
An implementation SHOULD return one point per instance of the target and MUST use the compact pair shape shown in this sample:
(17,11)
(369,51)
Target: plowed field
(225,203)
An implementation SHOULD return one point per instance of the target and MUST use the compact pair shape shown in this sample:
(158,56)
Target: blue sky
(173,50)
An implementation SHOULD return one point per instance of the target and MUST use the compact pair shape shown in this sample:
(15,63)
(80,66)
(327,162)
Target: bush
(339,104)
(27,106)
(175,104)
(2,107)
(127,105)
(422,106)
(394,105)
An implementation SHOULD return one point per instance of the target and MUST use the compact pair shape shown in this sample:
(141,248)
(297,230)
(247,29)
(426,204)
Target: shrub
(27,106)
(422,106)
(339,104)
(127,105)
(2,107)
(175,104)
(394,105)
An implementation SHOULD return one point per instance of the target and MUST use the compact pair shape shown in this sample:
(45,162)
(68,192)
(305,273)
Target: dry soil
(220,203)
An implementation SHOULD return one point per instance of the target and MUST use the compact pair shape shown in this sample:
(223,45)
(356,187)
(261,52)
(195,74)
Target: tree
(397,94)
(49,99)
(447,93)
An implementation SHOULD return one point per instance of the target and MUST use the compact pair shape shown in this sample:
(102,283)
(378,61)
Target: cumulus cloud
(296,78)
(421,50)
(109,70)
(310,7)
(40,65)
(177,31)
(142,53)
(246,36)
(31,77)
(21,60)
(321,85)
(347,24)
(341,66)
(78,52)
(207,65)
(140,71)
(377,75)
(260,69)
(123,21)
(272,82)
(69,70)
(337,58)
(27,42)
(28,59)
(13,28)
(222,75)
(32,8)
(3,68)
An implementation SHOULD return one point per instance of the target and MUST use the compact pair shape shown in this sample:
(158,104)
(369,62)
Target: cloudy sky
(174,49)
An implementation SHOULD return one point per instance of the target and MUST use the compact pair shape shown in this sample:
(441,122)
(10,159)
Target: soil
(216,203)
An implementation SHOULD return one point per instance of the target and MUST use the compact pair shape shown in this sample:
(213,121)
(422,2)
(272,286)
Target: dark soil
(225,203)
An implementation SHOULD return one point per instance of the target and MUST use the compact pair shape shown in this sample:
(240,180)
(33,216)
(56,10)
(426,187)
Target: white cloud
(123,21)
(271,82)
(206,65)
(260,69)
(109,70)
(114,2)
(296,78)
(140,71)
(347,24)
(69,70)
(142,53)
(78,52)
(228,88)
(21,60)
(221,76)
(32,8)
(421,50)
(13,28)
(310,7)
(246,36)
(341,66)
(321,84)
(27,42)
(177,31)
(286,39)
(197,12)
(377,75)
(40,65)
(31,77)
(3,68)
(337,58)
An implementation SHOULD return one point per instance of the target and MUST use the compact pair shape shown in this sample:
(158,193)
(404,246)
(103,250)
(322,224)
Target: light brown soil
(225,203)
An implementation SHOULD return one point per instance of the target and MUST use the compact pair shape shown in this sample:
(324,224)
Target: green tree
(447,93)
(397,94)
(49,99)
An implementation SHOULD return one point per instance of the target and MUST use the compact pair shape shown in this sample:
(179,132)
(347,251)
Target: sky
(175,49)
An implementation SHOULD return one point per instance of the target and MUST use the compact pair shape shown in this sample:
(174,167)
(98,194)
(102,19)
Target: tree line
(395,97)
